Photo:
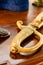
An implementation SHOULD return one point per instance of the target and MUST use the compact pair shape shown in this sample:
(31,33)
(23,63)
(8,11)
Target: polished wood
(8,21)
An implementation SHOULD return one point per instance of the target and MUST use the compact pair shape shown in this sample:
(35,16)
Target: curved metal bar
(34,48)
(25,32)
(15,45)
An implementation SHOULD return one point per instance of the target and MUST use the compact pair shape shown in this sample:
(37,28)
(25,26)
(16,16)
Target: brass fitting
(25,32)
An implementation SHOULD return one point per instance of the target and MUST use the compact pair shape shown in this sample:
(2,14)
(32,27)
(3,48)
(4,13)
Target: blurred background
(14,5)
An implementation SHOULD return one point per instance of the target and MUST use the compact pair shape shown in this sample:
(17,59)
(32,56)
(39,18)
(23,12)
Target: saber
(25,32)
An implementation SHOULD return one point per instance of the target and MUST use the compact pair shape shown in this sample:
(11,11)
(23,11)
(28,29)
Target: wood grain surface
(8,21)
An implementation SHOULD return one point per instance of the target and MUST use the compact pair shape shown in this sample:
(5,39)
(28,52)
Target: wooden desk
(8,20)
